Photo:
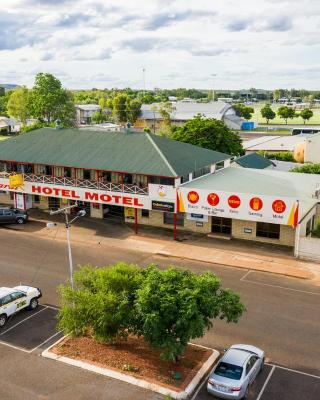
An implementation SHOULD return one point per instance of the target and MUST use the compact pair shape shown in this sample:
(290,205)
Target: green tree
(286,112)
(102,303)
(243,111)
(119,107)
(306,114)
(208,133)
(267,113)
(133,110)
(18,104)
(48,101)
(307,169)
(2,91)
(99,117)
(175,306)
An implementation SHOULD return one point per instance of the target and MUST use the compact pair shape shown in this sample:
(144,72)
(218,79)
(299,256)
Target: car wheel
(33,303)
(3,320)
(20,220)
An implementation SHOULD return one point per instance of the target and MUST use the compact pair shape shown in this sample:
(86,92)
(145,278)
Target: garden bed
(136,358)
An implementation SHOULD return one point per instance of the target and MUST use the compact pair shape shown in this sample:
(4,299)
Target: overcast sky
(180,43)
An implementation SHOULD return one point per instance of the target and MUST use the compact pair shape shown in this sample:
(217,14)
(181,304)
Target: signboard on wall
(80,194)
(162,206)
(276,210)
(129,213)
(197,217)
(163,197)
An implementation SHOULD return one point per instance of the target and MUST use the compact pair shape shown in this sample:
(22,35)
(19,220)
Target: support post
(175,226)
(136,221)
(69,251)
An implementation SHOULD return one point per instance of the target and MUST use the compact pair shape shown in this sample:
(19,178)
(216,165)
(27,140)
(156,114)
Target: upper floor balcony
(81,183)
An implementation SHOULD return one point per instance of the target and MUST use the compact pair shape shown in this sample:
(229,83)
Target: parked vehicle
(13,300)
(235,372)
(304,131)
(13,216)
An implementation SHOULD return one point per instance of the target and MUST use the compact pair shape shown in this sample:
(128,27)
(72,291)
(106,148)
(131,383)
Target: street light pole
(68,223)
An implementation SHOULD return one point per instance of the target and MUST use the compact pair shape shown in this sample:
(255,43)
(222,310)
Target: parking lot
(31,331)
(277,383)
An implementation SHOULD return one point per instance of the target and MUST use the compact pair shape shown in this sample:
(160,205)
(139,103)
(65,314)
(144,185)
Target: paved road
(281,318)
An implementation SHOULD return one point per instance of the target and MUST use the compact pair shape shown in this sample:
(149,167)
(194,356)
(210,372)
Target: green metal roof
(253,160)
(263,182)
(133,152)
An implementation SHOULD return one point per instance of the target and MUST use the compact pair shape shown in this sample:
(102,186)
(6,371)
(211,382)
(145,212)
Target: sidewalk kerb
(136,381)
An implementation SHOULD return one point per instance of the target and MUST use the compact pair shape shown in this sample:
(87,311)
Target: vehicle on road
(235,372)
(13,300)
(13,216)
(304,131)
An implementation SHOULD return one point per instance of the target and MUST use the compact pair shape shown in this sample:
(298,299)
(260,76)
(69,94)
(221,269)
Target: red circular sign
(279,206)
(193,197)
(234,201)
(256,203)
(213,199)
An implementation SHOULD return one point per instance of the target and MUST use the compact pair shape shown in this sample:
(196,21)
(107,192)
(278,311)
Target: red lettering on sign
(116,198)
(56,191)
(91,196)
(47,190)
(127,200)
(65,192)
(105,197)
(73,195)
(36,189)
(136,203)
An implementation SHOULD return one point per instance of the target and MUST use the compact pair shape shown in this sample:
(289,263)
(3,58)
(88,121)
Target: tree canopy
(167,308)
(208,133)
(285,113)
(243,111)
(267,112)
(48,101)
(18,104)
(306,114)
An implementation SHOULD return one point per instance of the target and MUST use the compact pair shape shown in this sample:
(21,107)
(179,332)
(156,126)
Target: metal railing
(82,183)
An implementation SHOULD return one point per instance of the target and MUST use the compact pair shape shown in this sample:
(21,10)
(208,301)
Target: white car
(15,299)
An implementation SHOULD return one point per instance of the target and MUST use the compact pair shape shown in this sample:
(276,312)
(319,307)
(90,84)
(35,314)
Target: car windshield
(229,371)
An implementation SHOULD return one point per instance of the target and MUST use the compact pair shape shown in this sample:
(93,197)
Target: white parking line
(200,387)
(12,327)
(265,383)
(47,340)
(277,286)
(293,370)
(245,275)
(14,347)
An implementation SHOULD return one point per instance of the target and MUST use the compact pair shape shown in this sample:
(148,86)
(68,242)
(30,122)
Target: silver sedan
(235,372)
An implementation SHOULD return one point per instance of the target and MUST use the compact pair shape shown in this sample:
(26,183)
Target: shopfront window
(168,218)
(271,231)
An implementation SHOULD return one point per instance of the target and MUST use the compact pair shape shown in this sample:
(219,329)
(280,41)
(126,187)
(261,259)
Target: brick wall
(287,234)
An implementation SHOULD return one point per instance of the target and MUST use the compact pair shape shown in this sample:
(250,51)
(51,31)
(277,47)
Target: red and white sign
(238,206)
(81,194)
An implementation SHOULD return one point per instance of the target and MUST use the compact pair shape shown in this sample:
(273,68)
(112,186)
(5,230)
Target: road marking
(31,316)
(293,370)
(266,382)
(47,340)
(53,307)
(13,347)
(245,275)
(279,287)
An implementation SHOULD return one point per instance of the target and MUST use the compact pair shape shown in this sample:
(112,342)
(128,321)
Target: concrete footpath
(227,253)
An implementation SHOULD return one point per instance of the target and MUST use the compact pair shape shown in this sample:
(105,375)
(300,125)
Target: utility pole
(213,82)
(144,80)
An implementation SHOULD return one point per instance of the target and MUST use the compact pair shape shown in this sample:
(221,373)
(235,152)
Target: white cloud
(88,43)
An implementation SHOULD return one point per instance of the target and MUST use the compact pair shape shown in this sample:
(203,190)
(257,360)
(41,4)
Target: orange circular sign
(234,201)
(279,206)
(193,197)
(213,199)
(256,203)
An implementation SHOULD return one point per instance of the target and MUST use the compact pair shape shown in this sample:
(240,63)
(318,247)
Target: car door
(8,305)
(1,217)
(255,366)
(8,216)
(20,300)
(250,369)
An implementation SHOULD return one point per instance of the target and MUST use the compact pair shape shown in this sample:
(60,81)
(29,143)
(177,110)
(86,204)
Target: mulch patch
(137,358)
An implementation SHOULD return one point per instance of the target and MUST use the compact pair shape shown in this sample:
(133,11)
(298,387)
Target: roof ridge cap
(161,154)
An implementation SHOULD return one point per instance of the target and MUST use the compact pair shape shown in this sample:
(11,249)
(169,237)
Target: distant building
(303,148)
(183,111)
(84,113)
(9,125)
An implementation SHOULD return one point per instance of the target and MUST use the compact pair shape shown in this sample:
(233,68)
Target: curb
(307,275)
(136,381)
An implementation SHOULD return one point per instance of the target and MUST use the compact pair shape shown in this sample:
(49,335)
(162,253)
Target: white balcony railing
(82,183)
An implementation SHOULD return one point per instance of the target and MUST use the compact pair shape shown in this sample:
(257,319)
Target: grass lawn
(3,137)
(315,120)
